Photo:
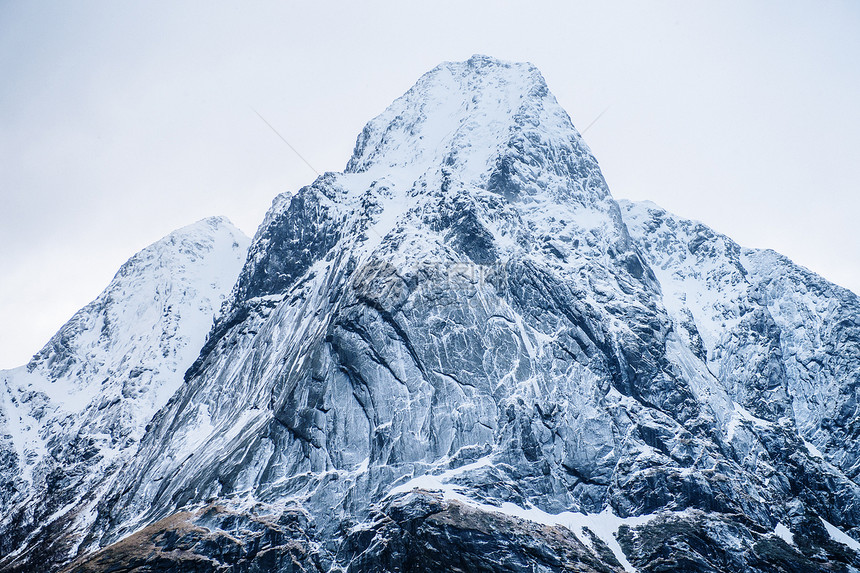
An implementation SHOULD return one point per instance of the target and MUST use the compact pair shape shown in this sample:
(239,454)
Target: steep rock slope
(462,354)
(465,301)
(465,291)
(463,310)
(804,348)
(73,416)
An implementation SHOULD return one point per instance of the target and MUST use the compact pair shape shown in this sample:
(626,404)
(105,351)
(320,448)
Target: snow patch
(840,536)
(200,431)
(741,414)
(783,533)
(813,451)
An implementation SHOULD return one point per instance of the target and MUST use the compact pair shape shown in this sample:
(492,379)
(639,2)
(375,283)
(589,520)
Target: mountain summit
(465,115)
(462,354)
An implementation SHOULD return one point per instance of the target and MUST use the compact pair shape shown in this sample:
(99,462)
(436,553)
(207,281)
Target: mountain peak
(481,145)
(202,256)
(464,114)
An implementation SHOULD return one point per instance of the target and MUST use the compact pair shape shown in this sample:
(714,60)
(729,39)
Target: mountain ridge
(464,348)
(78,409)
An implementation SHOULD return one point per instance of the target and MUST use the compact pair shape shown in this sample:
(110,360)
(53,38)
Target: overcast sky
(122,122)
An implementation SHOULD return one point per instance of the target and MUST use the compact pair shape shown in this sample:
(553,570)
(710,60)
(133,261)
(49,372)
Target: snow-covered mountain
(462,354)
(73,416)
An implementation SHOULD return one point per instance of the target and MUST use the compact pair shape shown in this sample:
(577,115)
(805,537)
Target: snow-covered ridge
(91,390)
(781,340)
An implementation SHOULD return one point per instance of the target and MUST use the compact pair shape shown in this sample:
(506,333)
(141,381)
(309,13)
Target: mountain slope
(422,319)
(806,327)
(465,301)
(75,414)
(462,353)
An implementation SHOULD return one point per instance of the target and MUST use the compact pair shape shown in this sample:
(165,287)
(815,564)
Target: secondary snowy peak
(115,362)
(138,311)
(86,397)
(700,271)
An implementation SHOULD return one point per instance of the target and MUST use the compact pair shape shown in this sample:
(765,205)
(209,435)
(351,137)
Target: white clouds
(120,123)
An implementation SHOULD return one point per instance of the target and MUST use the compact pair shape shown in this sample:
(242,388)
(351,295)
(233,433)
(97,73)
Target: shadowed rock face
(463,354)
(455,537)
(210,539)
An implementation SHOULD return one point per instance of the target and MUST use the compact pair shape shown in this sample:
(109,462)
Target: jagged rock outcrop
(462,353)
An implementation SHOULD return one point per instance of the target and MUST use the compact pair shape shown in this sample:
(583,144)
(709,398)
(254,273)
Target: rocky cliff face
(462,353)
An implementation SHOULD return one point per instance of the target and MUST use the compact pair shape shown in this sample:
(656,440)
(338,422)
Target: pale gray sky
(120,122)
